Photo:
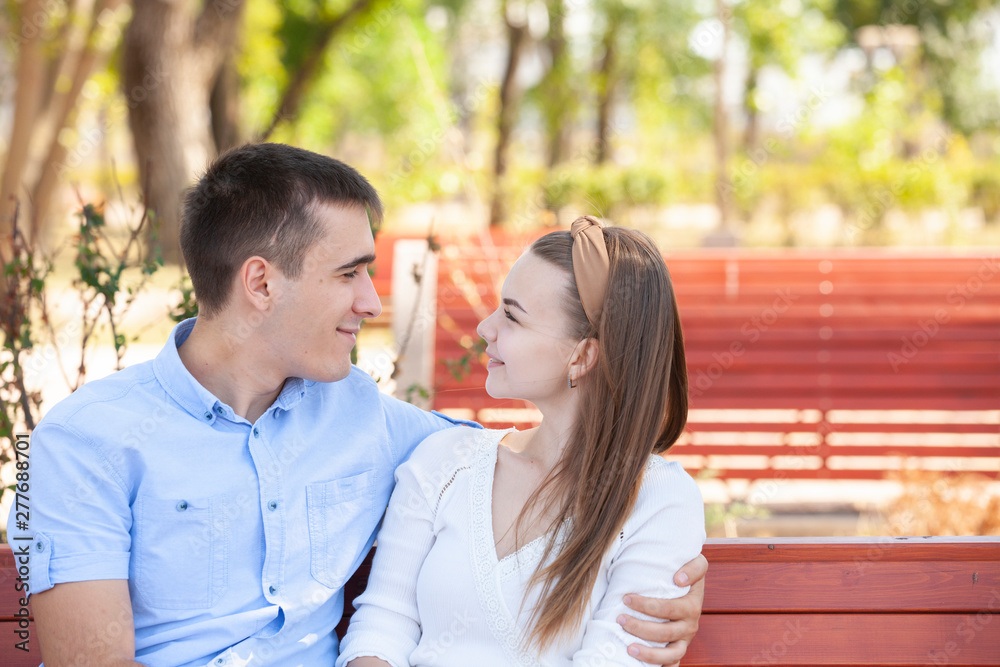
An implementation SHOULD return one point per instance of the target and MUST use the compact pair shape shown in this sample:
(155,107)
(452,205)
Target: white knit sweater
(439,597)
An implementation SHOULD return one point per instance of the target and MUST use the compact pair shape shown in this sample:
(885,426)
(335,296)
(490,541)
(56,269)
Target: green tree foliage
(617,101)
(780,35)
(952,38)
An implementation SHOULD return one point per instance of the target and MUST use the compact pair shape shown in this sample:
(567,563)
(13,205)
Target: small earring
(570,382)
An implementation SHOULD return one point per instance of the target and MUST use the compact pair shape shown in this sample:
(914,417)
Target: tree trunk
(517,32)
(27,101)
(172,60)
(606,77)
(556,85)
(86,59)
(225,107)
(750,105)
(71,42)
(720,126)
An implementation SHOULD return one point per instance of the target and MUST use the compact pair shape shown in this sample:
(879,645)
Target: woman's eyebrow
(513,302)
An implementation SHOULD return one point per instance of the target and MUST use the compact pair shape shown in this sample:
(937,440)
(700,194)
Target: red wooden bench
(850,601)
(794,602)
(803,364)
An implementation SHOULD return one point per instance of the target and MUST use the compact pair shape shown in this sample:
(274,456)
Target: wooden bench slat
(809,427)
(856,586)
(871,472)
(699,355)
(856,402)
(11,657)
(831,549)
(874,640)
(827,450)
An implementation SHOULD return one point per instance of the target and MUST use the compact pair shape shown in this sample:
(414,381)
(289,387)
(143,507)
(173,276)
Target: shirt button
(182,505)
(272,590)
(256,433)
(40,546)
(219,661)
(219,409)
(273,505)
(208,415)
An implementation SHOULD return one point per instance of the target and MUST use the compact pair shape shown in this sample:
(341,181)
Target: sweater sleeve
(665,530)
(386,624)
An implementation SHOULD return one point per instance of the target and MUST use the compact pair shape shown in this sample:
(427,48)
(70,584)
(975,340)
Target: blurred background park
(824,150)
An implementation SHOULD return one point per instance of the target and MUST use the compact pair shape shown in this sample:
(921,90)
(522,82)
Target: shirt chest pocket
(340,511)
(180,552)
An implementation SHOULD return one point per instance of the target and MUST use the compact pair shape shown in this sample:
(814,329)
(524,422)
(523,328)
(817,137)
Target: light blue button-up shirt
(236,538)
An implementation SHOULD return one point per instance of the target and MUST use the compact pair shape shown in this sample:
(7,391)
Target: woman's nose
(485,329)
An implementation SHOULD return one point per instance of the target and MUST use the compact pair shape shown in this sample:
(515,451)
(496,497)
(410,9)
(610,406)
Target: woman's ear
(584,358)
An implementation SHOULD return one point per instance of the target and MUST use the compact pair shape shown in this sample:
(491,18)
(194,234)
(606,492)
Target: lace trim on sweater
(484,556)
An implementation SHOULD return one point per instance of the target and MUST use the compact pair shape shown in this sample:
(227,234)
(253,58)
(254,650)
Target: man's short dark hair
(258,199)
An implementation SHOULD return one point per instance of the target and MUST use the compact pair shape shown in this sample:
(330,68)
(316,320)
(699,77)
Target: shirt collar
(202,404)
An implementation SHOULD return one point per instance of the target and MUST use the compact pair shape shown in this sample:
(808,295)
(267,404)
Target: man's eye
(352,274)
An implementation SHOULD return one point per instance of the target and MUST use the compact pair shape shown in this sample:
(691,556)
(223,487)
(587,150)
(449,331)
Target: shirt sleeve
(665,531)
(78,516)
(386,624)
(408,425)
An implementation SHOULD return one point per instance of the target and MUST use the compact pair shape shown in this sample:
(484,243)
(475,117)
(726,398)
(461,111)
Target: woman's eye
(509,316)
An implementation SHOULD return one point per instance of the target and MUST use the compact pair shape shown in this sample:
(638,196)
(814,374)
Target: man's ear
(584,357)
(256,282)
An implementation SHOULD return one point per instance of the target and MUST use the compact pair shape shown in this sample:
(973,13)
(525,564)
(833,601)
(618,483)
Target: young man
(206,507)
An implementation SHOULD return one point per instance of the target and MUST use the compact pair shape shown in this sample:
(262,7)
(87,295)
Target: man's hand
(86,623)
(683,614)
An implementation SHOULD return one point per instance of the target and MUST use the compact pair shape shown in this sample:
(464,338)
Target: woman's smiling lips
(493,363)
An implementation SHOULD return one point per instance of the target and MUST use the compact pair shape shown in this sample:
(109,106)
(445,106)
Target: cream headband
(590,265)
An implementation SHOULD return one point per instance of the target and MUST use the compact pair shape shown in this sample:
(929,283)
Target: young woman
(517,547)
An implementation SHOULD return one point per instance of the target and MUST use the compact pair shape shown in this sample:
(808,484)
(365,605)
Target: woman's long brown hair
(634,403)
